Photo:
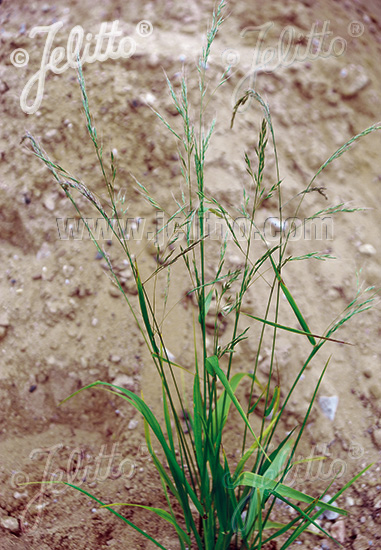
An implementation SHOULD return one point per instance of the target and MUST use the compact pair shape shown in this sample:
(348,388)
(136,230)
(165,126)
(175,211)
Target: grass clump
(223,505)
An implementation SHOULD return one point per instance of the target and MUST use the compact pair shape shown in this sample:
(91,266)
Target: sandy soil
(63,325)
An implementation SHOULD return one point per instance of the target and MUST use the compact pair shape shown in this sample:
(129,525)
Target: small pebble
(328,514)
(170,355)
(49,203)
(4,319)
(133,424)
(375,390)
(11,524)
(360,543)
(377,437)
(51,133)
(349,501)
(18,495)
(367,250)
(51,361)
(114,291)
(124,381)
(149,98)
(43,252)
(313,528)
(353,79)
(338,531)
(68,270)
(328,406)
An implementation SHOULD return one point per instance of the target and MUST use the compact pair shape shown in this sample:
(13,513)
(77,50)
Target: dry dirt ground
(63,325)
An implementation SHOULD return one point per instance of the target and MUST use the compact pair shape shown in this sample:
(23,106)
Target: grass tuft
(224,506)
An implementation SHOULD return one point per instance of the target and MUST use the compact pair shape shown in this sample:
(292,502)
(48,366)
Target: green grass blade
(159,466)
(167,421)
(143,309)
(159,512)
(308,518)
(293,305)
(250,479)
(208,301)
(213,364)
(278,457)
(197,423)
(116,514)
(221,411)
(164,359)
(295,330)
(274,402)
(304,526)
(181,483)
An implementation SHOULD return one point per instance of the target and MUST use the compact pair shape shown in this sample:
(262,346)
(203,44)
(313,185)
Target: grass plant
(223,506)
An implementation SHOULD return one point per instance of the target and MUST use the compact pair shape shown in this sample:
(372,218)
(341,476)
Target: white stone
(328,514)
(11,524)
(133,424)
(328,405)
(338,531)
(44,251)
(149,98)
(4,319)
(51,133)
(49,203)
(18,495)
(367,250)
(124,381)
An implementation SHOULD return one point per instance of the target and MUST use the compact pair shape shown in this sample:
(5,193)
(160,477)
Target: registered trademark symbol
(356,29)
(144,28)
